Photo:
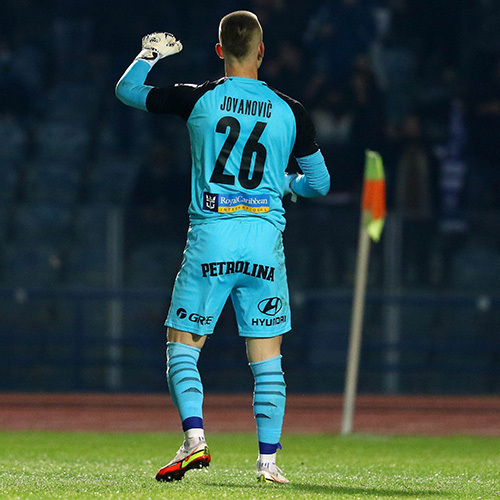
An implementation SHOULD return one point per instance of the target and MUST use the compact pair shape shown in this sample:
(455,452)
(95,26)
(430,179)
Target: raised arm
(131,89)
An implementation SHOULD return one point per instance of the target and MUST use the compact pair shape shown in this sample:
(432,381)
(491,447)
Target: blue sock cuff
(268,449)
(192,423)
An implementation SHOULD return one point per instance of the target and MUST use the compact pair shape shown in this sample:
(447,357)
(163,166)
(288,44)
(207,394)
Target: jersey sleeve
(130,88)
(305,140)
(178,99)
(316,179)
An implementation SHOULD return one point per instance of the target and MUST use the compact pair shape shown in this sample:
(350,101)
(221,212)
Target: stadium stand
(69,151)
(53,181)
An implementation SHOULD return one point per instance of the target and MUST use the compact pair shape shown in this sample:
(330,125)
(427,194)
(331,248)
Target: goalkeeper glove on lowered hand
(289,178)
(156,46)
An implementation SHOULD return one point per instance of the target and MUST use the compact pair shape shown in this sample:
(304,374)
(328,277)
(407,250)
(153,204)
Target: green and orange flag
(373,198)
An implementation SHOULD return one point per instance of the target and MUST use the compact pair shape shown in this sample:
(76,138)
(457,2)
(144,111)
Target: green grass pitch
(73,466)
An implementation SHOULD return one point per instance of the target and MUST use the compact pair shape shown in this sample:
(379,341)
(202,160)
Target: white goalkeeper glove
(289,178)
(156,46)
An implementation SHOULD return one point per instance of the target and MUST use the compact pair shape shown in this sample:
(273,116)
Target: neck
(244,71)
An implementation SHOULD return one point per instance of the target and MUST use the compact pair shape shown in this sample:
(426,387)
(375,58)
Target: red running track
(418,415)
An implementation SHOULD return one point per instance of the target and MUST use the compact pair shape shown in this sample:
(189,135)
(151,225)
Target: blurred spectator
(285,69)
(453,168)
(14,97)
(337,33)
(349,116)
(72,35)
(13,138)
(368,104)
(484,127)
(315,51)
(369,119)
(435,28)
(413,200)
(483,20)
(24,21)
(333,118)
(413,172)
(395,63)
(158,204)
(284,19)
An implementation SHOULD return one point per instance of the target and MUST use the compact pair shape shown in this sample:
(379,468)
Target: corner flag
(372,222)
(373,198)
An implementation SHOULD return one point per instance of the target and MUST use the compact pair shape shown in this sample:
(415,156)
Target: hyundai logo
(271,306)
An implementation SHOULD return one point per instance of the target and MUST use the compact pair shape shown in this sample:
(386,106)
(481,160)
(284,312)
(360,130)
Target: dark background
(418,81)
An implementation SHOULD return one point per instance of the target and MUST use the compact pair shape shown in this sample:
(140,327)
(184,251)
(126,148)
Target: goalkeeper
(242,134)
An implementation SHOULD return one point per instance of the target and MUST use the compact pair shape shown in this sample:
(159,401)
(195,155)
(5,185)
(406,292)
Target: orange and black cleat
(185,459)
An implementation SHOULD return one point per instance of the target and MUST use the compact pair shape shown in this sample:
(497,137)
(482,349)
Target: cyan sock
(269,403)
(184,383)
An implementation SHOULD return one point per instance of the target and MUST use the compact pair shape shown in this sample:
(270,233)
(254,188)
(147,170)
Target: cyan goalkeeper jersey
(242,134)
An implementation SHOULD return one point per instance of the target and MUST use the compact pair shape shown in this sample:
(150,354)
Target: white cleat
(270,473)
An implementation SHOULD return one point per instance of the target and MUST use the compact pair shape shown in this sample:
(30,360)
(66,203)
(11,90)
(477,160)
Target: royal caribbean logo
(210,202)
(232,202)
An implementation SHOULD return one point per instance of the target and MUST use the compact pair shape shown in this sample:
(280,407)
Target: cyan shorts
(240,258)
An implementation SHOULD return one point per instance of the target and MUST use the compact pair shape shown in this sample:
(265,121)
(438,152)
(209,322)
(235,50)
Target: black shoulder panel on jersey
(178,99)
(305,140)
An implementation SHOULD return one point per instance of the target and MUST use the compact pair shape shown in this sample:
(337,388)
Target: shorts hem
(263,334)
(188,330)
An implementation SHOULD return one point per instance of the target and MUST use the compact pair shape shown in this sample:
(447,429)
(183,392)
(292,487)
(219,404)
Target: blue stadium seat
(9,176)
(43,221)
(13,140)
(144,319)
(53,181)
(87,266)
(4,222)
(75,100)
(62,140)
(30,64)
(109,140)
(476,267)
(91,223)
(154,265)
(112,179)
(31,264)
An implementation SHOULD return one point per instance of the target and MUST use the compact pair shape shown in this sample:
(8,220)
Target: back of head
(239,32)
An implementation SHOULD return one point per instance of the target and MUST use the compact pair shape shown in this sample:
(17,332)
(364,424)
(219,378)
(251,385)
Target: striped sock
(269,403)
(184,383)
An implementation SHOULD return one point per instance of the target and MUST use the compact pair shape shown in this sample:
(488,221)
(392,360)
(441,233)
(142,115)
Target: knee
(181,337)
